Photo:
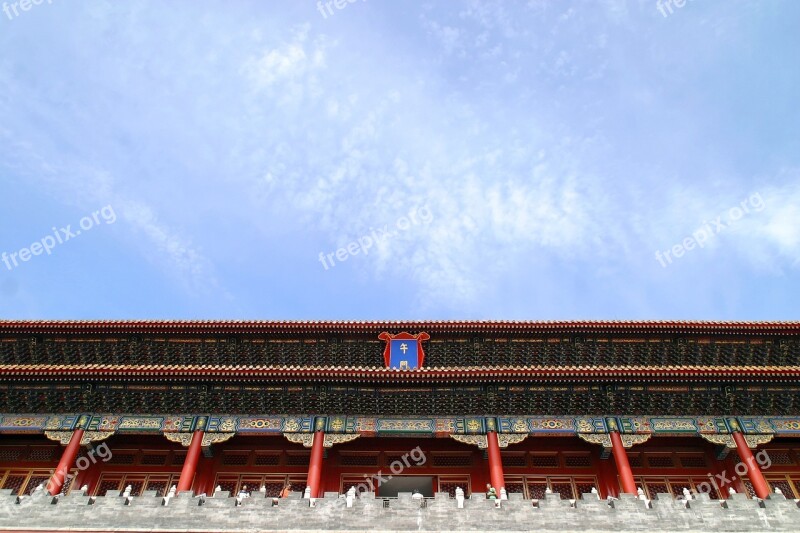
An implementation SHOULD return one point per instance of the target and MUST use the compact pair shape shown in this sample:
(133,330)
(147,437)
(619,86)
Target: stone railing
(186,512)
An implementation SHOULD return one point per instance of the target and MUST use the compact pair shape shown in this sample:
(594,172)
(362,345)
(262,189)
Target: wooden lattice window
(452,460)
(358,460)
(41,453)
(7,453)
(537,489)
(235,459)
(693,461)
(578,461)
(178,458)
(229,483)
(108,483)
(564,488)
(514,460)
(678,484)
(545,461)
(660,461)
(653,487)
(160,484)
(298,459)
(122,458)
(449,484)
(584,486)
(15,482)
(267,459)
(780,457)
(154,459)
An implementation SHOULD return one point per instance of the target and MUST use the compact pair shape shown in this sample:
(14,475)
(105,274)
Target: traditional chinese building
(535,409)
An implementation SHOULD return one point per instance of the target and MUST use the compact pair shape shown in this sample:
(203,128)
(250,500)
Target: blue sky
(476,160)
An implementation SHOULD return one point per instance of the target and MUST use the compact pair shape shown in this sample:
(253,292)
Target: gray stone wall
(221,513)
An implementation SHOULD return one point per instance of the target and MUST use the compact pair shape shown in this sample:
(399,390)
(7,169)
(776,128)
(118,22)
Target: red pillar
(56,482)
(315,465)
(753,471)
(623,466)
(495,462)
(190,463)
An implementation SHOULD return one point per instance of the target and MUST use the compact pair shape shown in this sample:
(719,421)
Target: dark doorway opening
(390,488)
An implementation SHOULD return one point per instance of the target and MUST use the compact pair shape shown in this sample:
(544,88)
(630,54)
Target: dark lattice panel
(537,490)
(751,492)
(229,484)
(450,487)
(271,459)
(398,459)
(784,485)
(225,352)
(528,352)
(584,487)
(780,457)
(652,488)
(106,485)
(579,461)
(544,461)
(14,483)
(298,485)
(234,459)
(655,461)
(248,351)
(677,486)
(274,488)
(514,460)
(564,489)
(358,460)
(41,454)
(154,459)
(135,485)
(121,458)
(293,459)
(35,481)
(10,454)
(178,458)
(635,460)
(453,460)
(158,485)
(515,487)
(553,399)
(796,482)
(693,461)
(704,485)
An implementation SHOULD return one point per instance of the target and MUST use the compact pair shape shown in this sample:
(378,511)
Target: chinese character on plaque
(404,350)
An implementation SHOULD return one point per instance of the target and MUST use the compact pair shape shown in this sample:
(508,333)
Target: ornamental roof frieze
(105,424)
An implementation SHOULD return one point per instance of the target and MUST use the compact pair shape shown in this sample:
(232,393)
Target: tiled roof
(355,326)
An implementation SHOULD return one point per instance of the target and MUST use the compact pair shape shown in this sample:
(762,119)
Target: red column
(623,466)
(315,465)
(495,462)
(67,461)
(753,472)
(190,463)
